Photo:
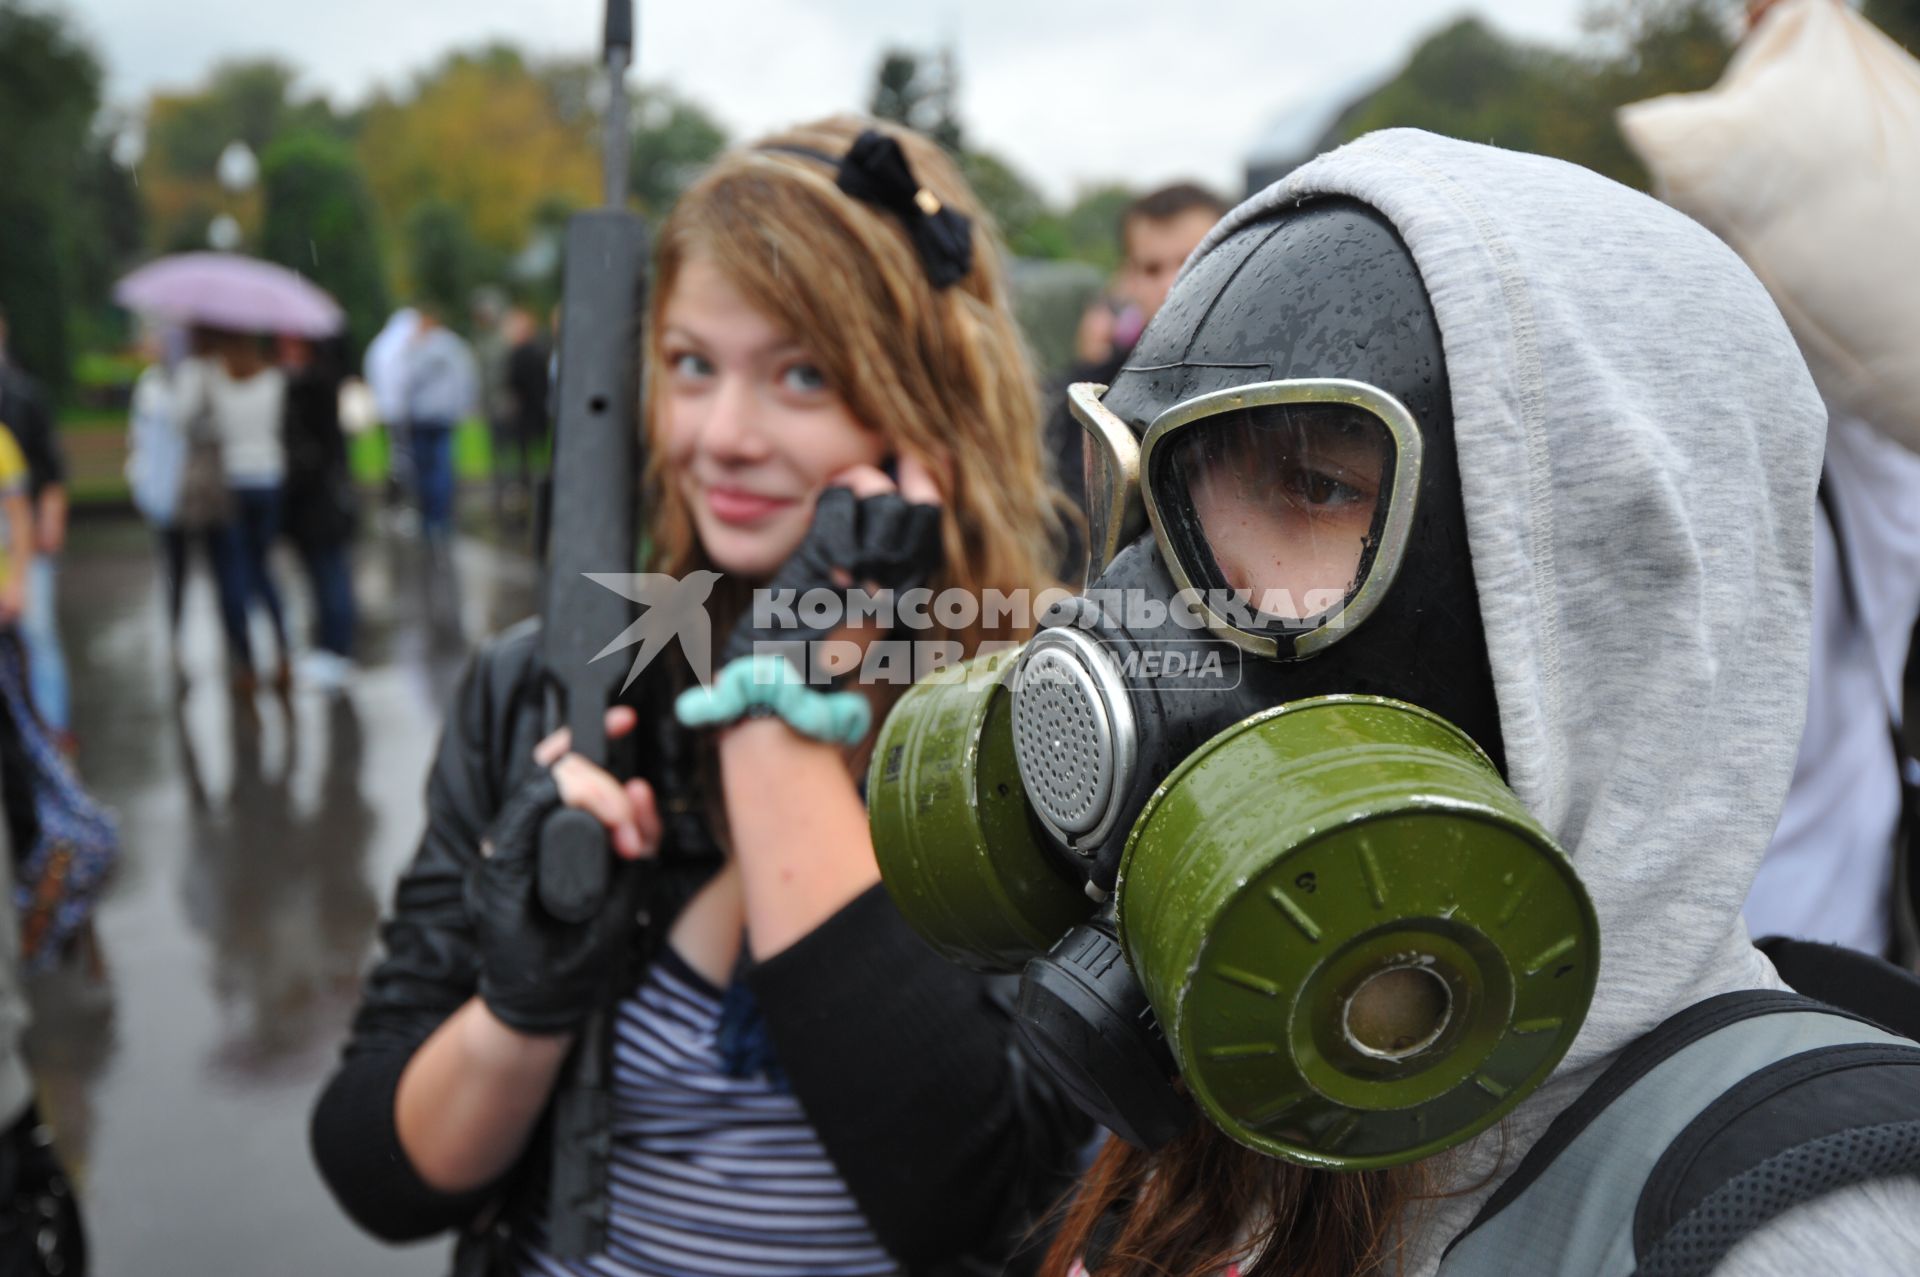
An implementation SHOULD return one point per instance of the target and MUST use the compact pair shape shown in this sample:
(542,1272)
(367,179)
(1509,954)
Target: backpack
(1727,1114)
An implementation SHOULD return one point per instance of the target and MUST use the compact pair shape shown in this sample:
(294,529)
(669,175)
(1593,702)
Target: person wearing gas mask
(1372,834)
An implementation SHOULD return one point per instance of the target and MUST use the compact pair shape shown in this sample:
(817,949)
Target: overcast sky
(1072,91)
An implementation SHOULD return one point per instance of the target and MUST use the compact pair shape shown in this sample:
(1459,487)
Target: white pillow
(1806,159)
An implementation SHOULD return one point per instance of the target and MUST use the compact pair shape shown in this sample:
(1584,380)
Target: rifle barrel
(615,147)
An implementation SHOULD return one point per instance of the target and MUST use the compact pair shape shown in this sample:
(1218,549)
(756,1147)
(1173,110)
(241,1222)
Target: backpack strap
(1571,1207)
(1799,1128)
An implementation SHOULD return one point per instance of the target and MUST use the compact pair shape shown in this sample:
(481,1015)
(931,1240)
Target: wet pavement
(261,838)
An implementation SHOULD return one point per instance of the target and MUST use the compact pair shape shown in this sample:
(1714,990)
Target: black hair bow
(876,171)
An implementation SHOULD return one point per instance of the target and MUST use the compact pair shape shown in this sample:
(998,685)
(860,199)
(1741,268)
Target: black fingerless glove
(882,542)
(538,974)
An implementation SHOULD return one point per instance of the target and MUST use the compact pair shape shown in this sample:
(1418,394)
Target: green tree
(445,262)
(919,91)
(49,92)
(486,134)
(1030,228)
(319,220)
(539,268)
(33,293)
(248,101)
(1092,224)
(673,139)
(1664,46)
(108,234)
(1469,81)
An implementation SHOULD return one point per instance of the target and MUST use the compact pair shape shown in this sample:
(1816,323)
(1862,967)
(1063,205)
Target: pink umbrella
(226,290)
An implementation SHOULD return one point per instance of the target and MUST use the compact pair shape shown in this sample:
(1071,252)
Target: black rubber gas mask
(1236,811)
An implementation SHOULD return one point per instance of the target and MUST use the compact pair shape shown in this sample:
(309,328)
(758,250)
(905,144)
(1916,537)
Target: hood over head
(1639,443)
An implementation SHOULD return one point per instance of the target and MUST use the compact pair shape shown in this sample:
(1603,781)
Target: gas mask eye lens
(1281,504)
(1283,508)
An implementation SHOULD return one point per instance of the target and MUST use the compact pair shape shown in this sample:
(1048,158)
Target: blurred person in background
(322,506)
(491,342)
(442,390)
(543,484)
(23,405)
(156,464)
(40,1226)
(1157,232)
(527,385)
(385,369)
(16,532)
(64,844)
(1841,869)
(242,398)
(800,1085)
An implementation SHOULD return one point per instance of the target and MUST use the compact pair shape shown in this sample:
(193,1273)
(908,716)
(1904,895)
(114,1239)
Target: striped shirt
(711,1174)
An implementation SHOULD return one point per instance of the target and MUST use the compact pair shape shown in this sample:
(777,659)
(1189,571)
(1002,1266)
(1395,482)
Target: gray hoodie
(1639,443)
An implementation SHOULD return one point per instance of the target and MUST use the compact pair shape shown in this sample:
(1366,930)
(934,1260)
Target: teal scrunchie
(771,682)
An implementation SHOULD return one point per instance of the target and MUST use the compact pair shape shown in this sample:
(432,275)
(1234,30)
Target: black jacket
(24,411)
(321,505)
(909,1068)
(527,379)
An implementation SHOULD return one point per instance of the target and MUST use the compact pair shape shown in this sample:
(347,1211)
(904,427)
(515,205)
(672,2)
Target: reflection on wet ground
(260,841)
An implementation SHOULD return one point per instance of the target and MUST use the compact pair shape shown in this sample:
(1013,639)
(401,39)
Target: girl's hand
(629,811)
(866,530)
(539,975)
(916,486)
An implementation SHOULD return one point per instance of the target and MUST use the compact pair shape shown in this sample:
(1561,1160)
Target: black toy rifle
(596,468)
(594,503)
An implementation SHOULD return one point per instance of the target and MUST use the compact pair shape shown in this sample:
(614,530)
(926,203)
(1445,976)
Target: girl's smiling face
(752,432)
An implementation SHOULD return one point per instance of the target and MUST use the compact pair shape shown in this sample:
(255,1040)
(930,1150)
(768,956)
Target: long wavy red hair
(1204,1205)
